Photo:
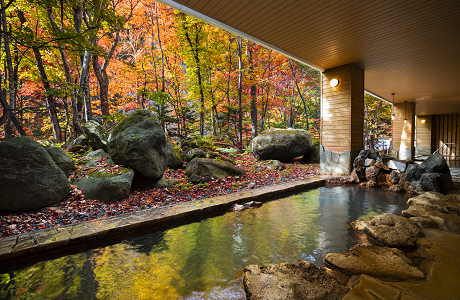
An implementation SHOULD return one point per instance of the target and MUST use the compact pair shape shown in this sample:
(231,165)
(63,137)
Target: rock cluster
(387,257)
(433,174)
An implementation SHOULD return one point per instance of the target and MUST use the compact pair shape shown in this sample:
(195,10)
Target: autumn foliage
(65,62)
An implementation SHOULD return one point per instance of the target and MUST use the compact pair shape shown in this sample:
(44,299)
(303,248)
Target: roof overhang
(410,48)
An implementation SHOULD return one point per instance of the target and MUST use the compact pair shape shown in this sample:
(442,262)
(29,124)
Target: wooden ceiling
(411,48)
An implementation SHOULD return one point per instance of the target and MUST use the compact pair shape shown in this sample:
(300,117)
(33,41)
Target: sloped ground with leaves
(75,208)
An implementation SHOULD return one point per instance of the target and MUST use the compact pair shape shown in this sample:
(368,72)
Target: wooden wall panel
(423,136)
(342,111)
(446,129)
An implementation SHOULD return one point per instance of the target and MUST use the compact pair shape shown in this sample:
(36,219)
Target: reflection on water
(204,260)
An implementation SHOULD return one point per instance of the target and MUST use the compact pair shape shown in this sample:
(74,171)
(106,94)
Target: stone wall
(335,163)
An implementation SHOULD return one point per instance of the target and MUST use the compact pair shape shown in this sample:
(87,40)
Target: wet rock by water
(375,261)
(389,230)
(297,280)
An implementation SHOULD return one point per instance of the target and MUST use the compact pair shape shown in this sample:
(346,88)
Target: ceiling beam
(236,32)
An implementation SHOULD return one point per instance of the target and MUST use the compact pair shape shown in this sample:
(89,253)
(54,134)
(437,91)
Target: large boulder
(281,144)
(191,154)
(62,159)
(80,144)
(359,164)
(96,134)
(372,173)
(313,155)
(435,163)
(29,178)
(138,142)
(212,168)
(389,230)
(101,180)
(173,160)
(436,182)
(296,280)
(384,262)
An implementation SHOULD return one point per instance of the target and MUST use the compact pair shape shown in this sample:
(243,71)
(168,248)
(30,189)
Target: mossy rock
(211,168)
(62,159)
(96,134)
(98,183)
(138,142)
(282,145)
(29,177)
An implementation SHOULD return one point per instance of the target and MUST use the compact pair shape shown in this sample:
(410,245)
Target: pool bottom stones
(25,249)
(428,268)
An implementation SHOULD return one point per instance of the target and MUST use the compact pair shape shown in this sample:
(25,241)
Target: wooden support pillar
(403,132)
(423,136)
(342,119)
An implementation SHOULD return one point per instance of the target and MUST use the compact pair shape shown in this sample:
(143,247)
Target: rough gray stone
(390,230)
(397,188)
(397,165)
(395,175)
(359,163)
(369,162)
(106,187)
(413,172)
(358,176)
(375,261)
(313,155)
(212,168)
(62,159)
(448,222)
(96,134)
(80,144)
(138,142)
(282,145)
(97,154)
(345,160)
(29,178)
(173,160)
(195,179)
(435,163)
(194,153)
(372,173)
(288,281)
(272,165)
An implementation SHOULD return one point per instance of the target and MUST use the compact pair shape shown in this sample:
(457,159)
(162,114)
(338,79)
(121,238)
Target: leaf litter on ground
(75,208)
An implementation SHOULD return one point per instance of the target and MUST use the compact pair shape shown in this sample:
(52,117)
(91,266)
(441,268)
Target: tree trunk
(228,81)
(49,97)
(253,91)
(240,89)
(84,86)
(76,119)
(198,73)
(11,83)
(300,94)
(161,49)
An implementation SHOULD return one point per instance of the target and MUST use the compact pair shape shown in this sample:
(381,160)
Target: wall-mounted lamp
(393,107)
(334,82)
(423,120)
(405,120)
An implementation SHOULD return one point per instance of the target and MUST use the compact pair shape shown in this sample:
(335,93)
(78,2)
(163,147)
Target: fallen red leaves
(75,208)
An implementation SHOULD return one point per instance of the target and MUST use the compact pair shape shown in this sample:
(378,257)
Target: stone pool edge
(45,241)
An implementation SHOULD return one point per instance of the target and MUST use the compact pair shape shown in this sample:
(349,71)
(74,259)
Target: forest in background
(67,62)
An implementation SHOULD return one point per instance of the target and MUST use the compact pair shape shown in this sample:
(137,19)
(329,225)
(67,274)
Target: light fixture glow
(423,121)
(405,121)
(334,82)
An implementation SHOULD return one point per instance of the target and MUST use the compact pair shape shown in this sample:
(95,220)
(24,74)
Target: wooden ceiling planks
(409,47)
